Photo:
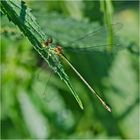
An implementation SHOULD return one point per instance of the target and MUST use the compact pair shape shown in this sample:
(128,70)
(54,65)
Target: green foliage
(34,107)
(21,16)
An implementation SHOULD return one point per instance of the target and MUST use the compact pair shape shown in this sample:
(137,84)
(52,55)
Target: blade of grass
(107,9)
(20,15)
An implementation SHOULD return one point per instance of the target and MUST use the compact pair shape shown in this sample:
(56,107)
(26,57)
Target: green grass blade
(20,15)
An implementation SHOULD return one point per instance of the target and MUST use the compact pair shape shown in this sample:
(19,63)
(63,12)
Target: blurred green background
(35,103)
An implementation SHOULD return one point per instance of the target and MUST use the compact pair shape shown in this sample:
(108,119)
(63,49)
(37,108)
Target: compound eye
(49,40)
(46,43)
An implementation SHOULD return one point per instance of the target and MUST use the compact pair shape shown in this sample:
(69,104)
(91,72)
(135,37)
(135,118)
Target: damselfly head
(49,41)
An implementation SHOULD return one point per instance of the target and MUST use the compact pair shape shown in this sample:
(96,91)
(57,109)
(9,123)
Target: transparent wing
(101,48)
(95,40)
(72,33)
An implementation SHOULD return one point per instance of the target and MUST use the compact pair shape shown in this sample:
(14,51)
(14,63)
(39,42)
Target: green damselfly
(85,42)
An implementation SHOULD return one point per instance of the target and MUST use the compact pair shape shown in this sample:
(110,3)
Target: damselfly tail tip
(108,108)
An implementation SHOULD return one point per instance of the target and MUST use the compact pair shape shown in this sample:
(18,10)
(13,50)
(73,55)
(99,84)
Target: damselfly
(86,46)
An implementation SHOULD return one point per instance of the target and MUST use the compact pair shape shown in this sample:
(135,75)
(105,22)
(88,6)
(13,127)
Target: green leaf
(20,15)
